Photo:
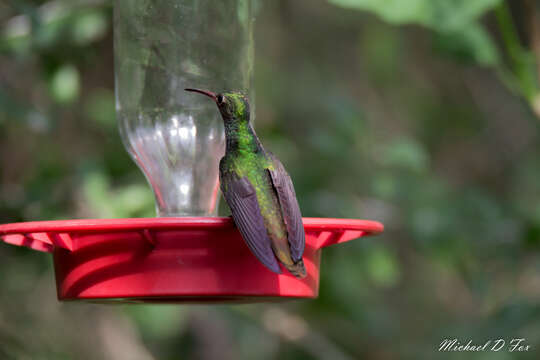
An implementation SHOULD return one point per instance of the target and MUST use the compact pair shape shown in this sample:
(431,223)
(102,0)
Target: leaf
(456,23)
(471,44)
(392,11)
(440,15)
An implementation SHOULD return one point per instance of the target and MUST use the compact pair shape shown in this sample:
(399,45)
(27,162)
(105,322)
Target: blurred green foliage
(459,31)
(421,127)
(456,23)
(440,15)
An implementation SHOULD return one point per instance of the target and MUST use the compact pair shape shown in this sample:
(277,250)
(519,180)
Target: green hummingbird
(258,190)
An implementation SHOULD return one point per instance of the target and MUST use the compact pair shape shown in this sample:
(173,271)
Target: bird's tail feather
(298,269)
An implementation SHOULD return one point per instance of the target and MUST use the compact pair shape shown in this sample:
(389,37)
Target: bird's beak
(204,92)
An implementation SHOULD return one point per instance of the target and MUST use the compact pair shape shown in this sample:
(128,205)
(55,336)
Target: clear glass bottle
(176,137)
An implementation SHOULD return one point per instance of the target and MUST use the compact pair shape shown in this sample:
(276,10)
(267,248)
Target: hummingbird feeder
(187,253)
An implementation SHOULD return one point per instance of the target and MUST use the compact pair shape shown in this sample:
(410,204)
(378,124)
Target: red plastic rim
(173,260)
(43,235)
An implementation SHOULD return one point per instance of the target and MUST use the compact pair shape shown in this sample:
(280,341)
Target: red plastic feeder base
(173,260)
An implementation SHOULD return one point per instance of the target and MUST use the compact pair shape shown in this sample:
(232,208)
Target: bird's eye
(220,99)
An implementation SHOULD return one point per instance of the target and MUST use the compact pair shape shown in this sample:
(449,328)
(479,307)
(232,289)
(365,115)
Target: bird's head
(233,106)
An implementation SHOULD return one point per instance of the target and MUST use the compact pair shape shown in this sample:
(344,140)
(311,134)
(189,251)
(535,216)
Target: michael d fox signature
(509,345)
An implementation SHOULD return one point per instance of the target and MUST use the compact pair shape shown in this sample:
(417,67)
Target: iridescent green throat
(241,137)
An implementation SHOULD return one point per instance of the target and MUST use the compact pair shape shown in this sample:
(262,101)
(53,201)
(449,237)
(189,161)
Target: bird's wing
(241,198)
(289,208)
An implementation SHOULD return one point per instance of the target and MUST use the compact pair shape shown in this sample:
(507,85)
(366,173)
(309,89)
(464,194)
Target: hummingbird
(258,190)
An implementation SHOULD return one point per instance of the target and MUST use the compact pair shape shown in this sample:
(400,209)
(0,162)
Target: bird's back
(255,167)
